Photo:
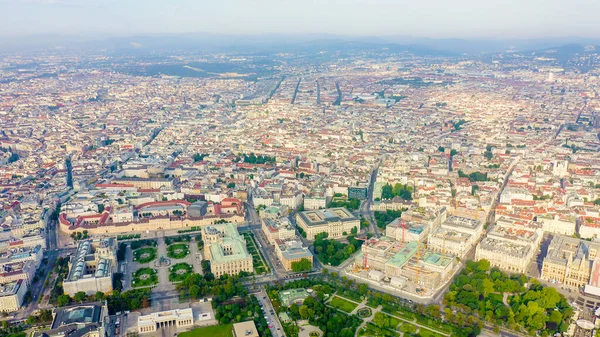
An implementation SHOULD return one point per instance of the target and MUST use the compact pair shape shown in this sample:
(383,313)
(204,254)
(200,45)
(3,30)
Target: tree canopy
(302,265)
(534,309)
(335,252)
(398,190)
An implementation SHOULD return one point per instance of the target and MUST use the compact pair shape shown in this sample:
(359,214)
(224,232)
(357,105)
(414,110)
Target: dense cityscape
(334,193)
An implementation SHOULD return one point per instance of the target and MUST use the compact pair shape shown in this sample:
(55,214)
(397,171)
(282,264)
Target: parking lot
(270,314)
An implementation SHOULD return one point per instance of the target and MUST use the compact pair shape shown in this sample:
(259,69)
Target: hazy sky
(420,18)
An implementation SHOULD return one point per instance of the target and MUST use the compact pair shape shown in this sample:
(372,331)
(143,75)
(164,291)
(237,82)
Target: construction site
(403,265)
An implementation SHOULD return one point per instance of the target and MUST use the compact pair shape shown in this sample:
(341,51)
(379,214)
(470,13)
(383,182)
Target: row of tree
(197,286)
(243,309)
(335,252)
(254,159)
(351,203)
(473,176)
(398,190)
(384,218)
(332,322)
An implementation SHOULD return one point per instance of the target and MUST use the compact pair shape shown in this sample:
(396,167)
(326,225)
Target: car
(270,326)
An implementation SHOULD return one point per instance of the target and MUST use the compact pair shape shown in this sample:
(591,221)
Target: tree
(381,320)
(354,230)
(199,157)
(302,265)
(63,300)
(488,153)
(194,291)
(99,296)
(303,311)
(80,297)
(45,315)
(387,192)
(363,289)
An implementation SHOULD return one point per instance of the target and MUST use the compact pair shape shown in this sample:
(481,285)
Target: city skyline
(263,168)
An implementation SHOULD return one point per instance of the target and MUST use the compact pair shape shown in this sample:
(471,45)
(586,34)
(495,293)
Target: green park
(144,255)
(144,277)
(178,250)
(260,266)
(222,330)
(179,272)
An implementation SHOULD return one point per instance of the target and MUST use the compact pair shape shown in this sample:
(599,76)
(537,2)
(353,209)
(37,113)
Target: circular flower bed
(178,251)
(144,277)
(179,272)
(144,255)
(364,312)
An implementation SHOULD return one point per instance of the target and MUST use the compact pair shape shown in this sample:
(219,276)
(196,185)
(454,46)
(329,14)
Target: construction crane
(418,255)
(444,246)
(365,255)
(403,225)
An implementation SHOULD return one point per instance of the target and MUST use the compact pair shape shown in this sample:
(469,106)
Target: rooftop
(405,254)
(80,314)
(294,249)
(450,235)
(11,288)
(320,217)
(290,296)
(245,329)
(504,247)
(155,317)
(458,221)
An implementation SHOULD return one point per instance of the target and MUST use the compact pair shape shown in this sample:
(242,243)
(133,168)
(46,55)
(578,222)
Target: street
(365,206)
(270,314)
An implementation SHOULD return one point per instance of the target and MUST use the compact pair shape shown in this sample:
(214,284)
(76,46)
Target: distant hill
(274,43)
(563,53)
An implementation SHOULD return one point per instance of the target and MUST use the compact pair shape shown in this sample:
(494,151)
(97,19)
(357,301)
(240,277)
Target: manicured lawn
(257,260)
(394,322)
(373,331)
(144,255)
(179,272)
(398,311)
(427,333)
(178,251)
(223,330)
(350,295)
(144,277)
(433,324)
(342,304)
